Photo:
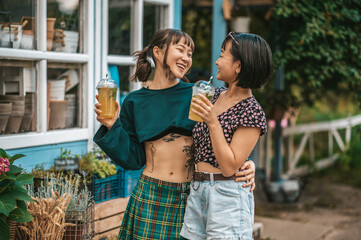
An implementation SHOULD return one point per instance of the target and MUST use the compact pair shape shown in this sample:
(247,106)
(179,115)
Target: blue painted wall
(45,154)
(178,14)
(219,31)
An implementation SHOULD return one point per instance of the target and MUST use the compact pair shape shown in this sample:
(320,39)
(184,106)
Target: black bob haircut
(255,56)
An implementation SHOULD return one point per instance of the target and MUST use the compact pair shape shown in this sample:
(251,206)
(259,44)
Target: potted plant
(105,181)
(66,161)
(39,173)
(13,195)
(80,212)
(49,218)
(97,164)
(66,35)
(74,220)
(240,18)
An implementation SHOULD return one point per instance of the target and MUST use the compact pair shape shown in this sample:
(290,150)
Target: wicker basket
(12,226)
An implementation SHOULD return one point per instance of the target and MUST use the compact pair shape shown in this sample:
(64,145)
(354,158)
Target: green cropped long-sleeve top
(146,114)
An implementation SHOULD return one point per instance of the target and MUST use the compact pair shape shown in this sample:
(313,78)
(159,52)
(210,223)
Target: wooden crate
(108,217)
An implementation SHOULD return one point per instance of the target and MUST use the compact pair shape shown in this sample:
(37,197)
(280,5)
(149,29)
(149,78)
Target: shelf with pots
(21,35)
(17,97)
(62,37)
(63,99)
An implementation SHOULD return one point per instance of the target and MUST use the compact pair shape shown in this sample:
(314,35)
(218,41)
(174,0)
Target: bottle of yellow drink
(201,87)
(107,92)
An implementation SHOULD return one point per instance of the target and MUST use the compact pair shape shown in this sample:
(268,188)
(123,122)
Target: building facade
(53,53)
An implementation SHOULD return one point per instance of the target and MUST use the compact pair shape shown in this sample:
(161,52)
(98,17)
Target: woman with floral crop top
(218,207)
(153,129)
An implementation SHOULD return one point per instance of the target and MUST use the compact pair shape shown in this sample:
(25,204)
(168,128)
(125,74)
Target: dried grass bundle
(49,218)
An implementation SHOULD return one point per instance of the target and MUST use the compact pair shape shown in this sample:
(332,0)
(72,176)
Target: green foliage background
(197,22)
(319,47)
(317,42)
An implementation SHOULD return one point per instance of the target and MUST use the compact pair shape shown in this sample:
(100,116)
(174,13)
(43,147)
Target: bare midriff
(167,158)
(206,167)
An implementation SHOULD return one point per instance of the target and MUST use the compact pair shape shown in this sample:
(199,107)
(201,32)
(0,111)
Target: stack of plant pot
(30,109)
(57,104)
(66,41)
(28,39)
(71,110)
(50,33)
(11,34)
(17,112)
(5,111)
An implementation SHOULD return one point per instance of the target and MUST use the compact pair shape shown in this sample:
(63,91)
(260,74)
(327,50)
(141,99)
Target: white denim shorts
(218,210)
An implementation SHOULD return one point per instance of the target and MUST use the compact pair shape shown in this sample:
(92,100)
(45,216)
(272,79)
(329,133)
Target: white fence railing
(292,154)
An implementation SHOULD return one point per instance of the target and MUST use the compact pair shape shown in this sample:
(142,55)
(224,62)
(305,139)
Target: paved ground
(325,211)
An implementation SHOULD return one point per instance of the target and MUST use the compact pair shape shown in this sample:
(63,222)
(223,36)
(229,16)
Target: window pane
(151,22)
(119,27)
(64,91)
(17,24)
(18,97)
(120,74)
(63,26)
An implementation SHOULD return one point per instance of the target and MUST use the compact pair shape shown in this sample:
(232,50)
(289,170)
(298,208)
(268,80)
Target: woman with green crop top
(153,129)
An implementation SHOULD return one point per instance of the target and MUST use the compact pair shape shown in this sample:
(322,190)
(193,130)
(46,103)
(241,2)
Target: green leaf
(7,204)
(22,206)
(18,216)
(4,228)
(25,179)
(7,176)
(20,194)
(14,169)
(3,154)
(16,156)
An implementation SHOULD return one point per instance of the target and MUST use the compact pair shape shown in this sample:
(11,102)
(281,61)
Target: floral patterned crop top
(246,113)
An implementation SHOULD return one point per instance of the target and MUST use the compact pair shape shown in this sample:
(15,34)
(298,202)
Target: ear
(156,52)
(238,69)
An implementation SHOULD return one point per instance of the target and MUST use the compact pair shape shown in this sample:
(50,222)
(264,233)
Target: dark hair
(255,56)
(161,39)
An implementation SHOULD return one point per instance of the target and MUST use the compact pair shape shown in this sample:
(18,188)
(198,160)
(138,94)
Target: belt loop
(211,176)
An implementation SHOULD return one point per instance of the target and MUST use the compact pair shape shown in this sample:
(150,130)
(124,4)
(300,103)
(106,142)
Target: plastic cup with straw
(107,91)
(201,87)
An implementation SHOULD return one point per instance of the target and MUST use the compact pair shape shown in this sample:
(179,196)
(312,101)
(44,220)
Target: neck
(236,92)
(160,81)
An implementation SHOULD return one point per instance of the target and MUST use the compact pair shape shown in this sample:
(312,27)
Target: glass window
(63,26)
(18,97)
(151,21)
(119,27)
(17,24)
(63,96)
(120,74)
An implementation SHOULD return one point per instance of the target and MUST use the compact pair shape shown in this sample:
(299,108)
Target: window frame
(137,10)
(41,57)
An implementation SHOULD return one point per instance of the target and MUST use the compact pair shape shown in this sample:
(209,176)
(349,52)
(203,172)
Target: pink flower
(4,165)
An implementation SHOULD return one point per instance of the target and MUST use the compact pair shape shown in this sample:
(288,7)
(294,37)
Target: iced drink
(200,87)
(107,92)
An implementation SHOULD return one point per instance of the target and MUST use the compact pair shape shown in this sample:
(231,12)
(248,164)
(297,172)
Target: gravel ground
(334,206)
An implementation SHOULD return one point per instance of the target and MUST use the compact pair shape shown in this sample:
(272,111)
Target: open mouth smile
(181,66)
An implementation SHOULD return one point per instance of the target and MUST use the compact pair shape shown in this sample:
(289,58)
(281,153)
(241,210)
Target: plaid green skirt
(155,210)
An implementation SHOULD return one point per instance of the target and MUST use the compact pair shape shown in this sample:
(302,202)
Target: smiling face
(228,69)
(178,60)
